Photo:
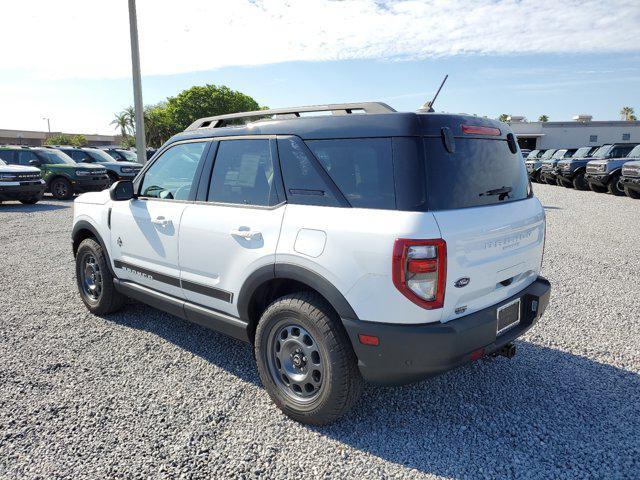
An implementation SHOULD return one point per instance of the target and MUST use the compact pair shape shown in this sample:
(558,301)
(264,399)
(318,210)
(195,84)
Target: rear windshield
(479,172)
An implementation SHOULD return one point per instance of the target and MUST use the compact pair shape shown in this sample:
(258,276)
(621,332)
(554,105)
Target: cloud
(90,38)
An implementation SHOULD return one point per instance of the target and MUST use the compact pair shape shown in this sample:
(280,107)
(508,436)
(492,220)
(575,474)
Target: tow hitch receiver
(508,350)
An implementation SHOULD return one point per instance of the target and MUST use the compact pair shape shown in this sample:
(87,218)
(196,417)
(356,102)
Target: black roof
(393,124)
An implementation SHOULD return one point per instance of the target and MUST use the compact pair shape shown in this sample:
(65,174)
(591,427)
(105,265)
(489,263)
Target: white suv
(381,246)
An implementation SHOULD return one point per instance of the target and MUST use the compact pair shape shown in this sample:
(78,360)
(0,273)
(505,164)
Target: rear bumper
(90,184)
(408,353)
(21,191)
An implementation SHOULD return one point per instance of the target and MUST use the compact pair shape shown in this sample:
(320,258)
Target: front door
(234,230)
(144,230)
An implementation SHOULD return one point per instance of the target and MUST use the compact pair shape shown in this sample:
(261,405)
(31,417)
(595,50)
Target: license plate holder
(508,316)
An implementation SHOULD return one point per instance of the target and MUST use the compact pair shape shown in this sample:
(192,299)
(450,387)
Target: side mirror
(35,163)
(121,190)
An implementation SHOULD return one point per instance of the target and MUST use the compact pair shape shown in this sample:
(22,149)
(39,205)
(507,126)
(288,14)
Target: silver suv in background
(605,171)
(570,171)
(533,163)
(631,179)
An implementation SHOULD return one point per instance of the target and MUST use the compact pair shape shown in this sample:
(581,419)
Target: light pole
(48,124)
(137,83)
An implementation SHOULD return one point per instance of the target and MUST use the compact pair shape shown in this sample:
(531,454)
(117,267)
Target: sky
(521,57)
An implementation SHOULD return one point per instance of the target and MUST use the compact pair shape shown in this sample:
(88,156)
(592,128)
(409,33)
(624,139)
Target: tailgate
(498,248)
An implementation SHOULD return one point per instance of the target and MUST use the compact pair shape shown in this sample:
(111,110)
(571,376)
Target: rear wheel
(31,201)
(95,281)
(632,193)
(579,182)
(597,188)
(305,359)
(615,186)
(61,189)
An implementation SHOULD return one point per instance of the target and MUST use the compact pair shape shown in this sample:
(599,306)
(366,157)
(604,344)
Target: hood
(94,198)
(18,169)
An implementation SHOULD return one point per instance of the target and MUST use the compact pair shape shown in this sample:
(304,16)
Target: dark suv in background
(570,171)
(548,168)
(120,154)
(117,170)
(603,172)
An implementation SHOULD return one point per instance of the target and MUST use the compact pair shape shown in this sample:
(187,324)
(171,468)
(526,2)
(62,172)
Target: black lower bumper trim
(408,353)
(21,192)
(93,184)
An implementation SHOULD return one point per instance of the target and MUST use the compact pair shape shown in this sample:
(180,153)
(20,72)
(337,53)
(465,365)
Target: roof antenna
(428,106)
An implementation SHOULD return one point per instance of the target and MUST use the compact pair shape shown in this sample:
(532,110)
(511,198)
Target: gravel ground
(144,394)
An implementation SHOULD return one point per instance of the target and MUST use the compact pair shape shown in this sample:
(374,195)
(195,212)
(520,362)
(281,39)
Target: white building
(580,132)
(37,138)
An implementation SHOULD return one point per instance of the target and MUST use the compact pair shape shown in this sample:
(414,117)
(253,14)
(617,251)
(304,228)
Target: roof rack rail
(293,112)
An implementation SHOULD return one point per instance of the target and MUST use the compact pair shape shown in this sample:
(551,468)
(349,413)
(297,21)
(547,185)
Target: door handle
(161,222)
(248,234)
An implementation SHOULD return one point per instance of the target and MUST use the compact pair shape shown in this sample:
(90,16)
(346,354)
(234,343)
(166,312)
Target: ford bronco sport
(62,175)
(20,183)
(383,246)
(604,171)
(116,169)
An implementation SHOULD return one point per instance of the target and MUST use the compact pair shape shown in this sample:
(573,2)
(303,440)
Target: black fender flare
(85,225)
(304,275)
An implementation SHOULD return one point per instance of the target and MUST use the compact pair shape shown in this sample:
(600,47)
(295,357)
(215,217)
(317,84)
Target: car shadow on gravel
(38,207)
(544,413)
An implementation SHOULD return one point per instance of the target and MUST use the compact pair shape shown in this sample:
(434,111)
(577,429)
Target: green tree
(543,118)
(504,117)
(64,139)
(157,124)
(130,115)
(205,101)
(627,114)
(121,121)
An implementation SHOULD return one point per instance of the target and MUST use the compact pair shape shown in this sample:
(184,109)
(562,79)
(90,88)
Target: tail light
(478,130)
(419,271)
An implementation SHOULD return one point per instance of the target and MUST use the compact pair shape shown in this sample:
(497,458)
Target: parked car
(62,175)
(549,165)
(631,177)
(117,170)
(121,154)
(525,152)
(271,233)
(20,183)
(570,171)
(604,172)
(533,164)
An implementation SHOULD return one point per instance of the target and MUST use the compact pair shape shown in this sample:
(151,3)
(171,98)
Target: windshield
(128,155)
(54,157)
(635,153)
(548,154)
(582,152)
(559,153)
(98,155)
(602,151)
(533,154)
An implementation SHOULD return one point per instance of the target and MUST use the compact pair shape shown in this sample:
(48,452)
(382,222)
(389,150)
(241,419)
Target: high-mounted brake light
(477,130)
(419,271)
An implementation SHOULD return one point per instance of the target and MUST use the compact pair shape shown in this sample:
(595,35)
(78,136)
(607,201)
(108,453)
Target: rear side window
(361,168)
(479,172)
(243,173)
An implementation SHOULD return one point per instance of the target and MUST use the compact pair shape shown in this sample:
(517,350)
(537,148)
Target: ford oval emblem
(462,282)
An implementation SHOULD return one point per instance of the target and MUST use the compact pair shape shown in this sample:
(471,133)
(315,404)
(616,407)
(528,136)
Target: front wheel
(305,360)
(597,188)
(632,193)
(61,189)
(94,279)
(30,201)
(579,182)
(615,187)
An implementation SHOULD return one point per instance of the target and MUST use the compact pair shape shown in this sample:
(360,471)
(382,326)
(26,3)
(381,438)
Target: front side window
(362,168)
(171,175)
(7,155)
(243,173)
(621,151)
(25,156)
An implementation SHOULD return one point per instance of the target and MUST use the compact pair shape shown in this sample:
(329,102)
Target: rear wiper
(503,192)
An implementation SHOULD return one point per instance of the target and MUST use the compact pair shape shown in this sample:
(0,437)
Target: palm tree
(130,113)
(543,118)
(121,121)
(627,114)
(504,117)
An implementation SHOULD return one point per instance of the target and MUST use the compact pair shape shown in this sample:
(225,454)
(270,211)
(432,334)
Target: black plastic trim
(85,225)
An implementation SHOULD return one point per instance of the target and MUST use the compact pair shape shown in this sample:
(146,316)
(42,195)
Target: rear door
(492,225)
(234,227)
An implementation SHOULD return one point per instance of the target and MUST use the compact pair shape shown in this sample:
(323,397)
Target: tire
(61,189)
(597,188)
(614,187)
(579,182)
(632,193)
(112,178)
(91,259)
(30,201)
(303,330)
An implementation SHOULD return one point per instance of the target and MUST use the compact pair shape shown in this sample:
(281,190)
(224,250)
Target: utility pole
(137,83)
(48,124)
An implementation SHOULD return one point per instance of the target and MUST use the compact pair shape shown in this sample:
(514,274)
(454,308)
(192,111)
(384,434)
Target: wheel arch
(272,281)
(83,230)
(56,176)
